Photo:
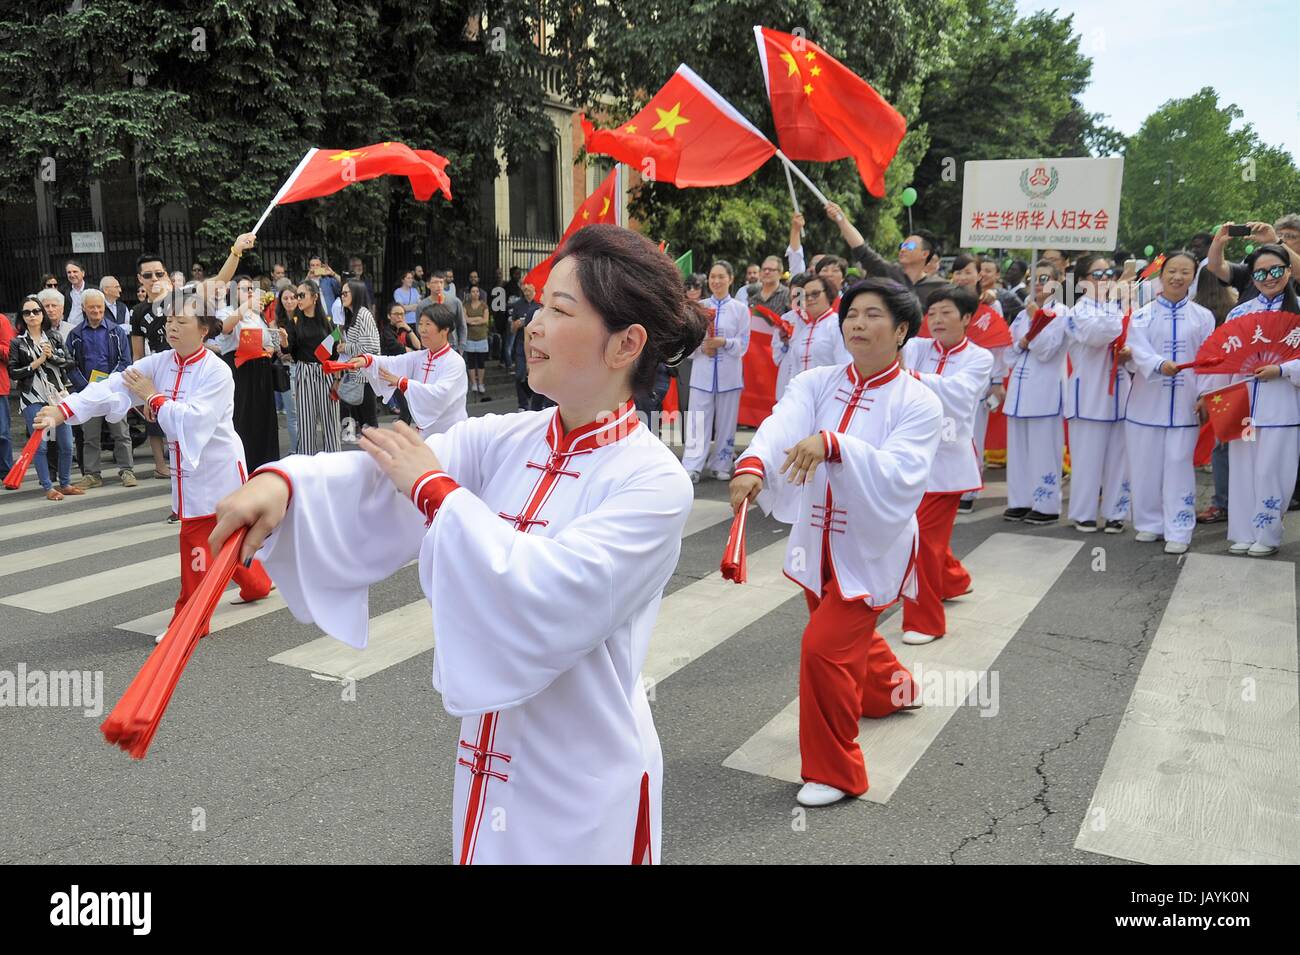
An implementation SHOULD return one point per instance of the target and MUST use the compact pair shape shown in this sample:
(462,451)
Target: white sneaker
(1146,537)
(1239,549)
(1174,547)
(1261,550)
(916,638)
(722,475)
(819,794)
(158,639)
(695,476)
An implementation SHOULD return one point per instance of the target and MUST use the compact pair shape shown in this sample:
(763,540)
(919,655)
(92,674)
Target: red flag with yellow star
(824,111)
(687,135)
(1229,411)
(600,206)
(326,171)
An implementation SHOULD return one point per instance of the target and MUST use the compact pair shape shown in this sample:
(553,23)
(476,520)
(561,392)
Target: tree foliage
(1221,172)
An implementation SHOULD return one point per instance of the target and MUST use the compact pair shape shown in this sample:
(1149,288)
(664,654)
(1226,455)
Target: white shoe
(722,475)
(1261,550)
(158,639)
(1174,547)
(695,476)
(1146,537)
(916,638)
(819,794)
(1239,549)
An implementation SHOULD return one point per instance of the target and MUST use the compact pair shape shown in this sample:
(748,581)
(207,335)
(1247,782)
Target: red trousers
(846,671)
(939,575)
(253,582)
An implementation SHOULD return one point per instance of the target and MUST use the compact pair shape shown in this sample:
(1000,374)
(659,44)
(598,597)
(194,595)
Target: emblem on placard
(1040,183)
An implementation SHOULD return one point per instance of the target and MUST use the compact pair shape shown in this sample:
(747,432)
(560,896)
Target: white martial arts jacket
(1159,332)
(881,436)
(725,370)
(195,406)
(1090,328)
(959,376)
(1276,403)
(434,383)
(544,570)
(813,343)
(1037,376)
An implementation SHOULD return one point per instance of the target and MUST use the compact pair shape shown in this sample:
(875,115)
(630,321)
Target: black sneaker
(1015,513)
(1294,505)
(484,396)
(1034,517)
(965,507)
(1086,527)
(1114,527)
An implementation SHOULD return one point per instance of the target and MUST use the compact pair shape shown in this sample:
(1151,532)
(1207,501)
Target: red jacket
(7,334)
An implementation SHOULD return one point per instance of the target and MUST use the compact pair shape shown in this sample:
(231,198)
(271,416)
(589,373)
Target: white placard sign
(1042,203)
(87,242)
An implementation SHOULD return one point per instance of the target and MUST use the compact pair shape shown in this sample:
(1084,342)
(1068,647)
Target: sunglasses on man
(153,275)
(908,246)
(1276,272)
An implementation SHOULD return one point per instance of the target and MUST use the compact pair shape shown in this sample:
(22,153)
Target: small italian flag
(326,349)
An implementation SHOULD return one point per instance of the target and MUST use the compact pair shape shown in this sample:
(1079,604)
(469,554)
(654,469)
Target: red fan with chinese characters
(1249,342)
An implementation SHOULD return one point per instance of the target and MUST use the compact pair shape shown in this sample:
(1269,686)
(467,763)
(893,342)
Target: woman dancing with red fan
(190,392)
(853,538)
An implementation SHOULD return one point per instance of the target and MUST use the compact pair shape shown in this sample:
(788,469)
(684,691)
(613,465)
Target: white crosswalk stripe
(34,523)
(1205,767)
(1013,573)
(77,592)
(35,500)
(83,548)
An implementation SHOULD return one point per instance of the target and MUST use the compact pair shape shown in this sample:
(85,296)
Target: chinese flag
(600,206)
(250,346)
(687,135)
(1229,410)
(325,171)
(823,111)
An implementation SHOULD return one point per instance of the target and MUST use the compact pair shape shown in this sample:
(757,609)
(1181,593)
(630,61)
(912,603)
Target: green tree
(1220,172)
(1012,91)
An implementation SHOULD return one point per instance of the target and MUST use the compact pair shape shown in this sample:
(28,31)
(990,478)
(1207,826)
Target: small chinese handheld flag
(733,561)
(1229,411)
(824,111)
(600,206)
(14,479)
(687,135)
(133,722)
(1040,321)
(250,346)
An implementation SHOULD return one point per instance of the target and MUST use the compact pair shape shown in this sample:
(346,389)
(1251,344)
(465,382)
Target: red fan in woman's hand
(776,321)
(733,561)
(14,479)
(1249,342)
(135,719)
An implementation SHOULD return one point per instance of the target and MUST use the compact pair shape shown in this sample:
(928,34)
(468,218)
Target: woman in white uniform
(575,513)
(1162,418)
(717,379)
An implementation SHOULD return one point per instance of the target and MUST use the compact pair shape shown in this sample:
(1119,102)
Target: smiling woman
(575,513)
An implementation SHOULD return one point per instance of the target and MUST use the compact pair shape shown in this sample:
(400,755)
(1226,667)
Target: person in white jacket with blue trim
(1162,418)
(717,379)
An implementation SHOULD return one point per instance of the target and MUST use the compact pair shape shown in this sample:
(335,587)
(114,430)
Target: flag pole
(791,167)
(285,188)
(794,200)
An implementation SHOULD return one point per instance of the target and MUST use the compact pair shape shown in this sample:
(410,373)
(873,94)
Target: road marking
(80,548)
(700,616)
(395,637)
(16,526)
(225,616)
(1205,767)
(1012,575)
(79,591)
(34,500)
